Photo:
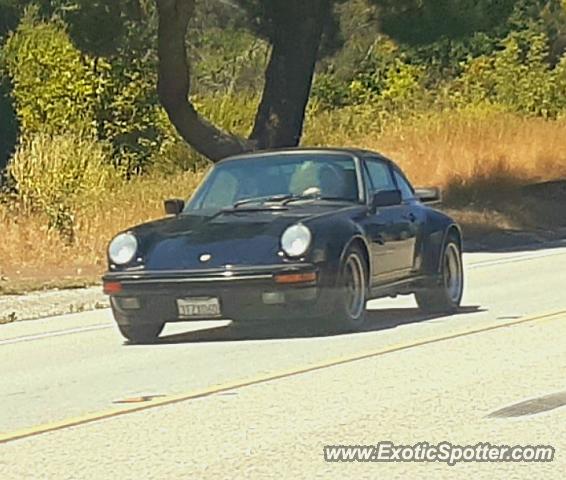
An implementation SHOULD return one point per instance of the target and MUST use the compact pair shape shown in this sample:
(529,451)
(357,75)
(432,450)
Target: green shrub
(227,60)
(129,113)
(519,78)
(56,174)
(232,112)
(384,78)
(173,154)
(53,86)
(330,92)
(57,89)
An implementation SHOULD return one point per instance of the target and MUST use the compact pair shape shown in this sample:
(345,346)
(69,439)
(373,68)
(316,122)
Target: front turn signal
(294,278)
(112,288)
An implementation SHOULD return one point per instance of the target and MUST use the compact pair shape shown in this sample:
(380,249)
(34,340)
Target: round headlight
(123,248)
(296,240)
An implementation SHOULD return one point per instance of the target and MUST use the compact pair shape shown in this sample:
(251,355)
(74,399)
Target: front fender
(331,240)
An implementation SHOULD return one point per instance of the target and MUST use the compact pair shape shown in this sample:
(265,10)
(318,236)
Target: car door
(410,219)
(383,225)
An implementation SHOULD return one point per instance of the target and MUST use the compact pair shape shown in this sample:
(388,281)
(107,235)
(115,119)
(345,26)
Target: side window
(379,175)
(407,191)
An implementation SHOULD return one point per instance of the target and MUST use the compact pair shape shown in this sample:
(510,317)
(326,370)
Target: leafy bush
(53,86)
(234,113)
(56,89)
(519,78)
(173,154)
(55,174)
(330,92)
(227,60)
(129,113)
(383,78)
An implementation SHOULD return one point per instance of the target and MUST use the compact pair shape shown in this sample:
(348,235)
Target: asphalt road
(212,401)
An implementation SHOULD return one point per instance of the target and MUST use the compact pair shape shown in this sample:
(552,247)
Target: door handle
(379,239)
(411,217)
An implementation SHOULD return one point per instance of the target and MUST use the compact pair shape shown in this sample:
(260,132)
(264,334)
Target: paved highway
(213,401)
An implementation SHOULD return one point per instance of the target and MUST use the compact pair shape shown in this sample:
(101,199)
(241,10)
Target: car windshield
(278,178)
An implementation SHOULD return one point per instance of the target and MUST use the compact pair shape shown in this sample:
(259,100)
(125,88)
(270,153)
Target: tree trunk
(296,31)
(294,28)
(175,81)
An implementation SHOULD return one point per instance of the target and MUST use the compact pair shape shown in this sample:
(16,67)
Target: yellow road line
(162,401)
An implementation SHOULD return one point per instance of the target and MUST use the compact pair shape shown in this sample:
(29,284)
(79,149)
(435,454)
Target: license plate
(201,307)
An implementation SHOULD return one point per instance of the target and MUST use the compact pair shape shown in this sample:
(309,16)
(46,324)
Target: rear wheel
(445,296)
(349,313)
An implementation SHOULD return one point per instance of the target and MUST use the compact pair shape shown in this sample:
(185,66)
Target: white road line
(514,259)
(58,333)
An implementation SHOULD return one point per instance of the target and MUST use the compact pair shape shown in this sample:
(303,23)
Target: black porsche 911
(303,234)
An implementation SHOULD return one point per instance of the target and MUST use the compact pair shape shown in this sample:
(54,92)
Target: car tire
(349,312)
(445,296)
(146,333)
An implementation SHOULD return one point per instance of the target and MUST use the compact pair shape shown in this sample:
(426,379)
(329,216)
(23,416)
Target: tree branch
(175,82)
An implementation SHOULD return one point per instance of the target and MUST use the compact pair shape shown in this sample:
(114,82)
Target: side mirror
(429,195)
(387,198)
(174,206)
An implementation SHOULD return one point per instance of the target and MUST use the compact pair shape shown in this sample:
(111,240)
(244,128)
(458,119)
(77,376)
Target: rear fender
(439,229)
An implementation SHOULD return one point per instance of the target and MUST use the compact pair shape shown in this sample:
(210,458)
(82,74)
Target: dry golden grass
(466,147)
(30,250)
(481,159)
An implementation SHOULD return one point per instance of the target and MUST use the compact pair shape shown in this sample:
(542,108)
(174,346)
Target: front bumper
(244,293)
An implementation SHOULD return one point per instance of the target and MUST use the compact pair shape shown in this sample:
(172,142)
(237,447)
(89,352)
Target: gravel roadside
(50,303)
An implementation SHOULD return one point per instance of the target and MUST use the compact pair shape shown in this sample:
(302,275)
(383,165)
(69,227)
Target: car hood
(245,237)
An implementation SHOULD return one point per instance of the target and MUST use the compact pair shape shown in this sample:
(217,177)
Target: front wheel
(446,295)
(349,313)
(141,333)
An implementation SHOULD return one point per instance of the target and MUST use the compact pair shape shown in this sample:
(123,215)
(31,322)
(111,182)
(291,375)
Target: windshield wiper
(296,198)
(234,211)
(285,199)
(265,199)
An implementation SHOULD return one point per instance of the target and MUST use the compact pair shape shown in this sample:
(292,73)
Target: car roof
(297,150)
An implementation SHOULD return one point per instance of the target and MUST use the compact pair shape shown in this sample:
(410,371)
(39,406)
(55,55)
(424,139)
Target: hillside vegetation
(89,150)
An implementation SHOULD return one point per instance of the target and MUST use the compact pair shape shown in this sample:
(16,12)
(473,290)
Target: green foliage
(8,17)
(173,153)
(519,78)
(228,61)
(9,129)
(89,66)
(128,113)
(97,26)
(55,174)
(330,92)
(515,72)
(418,22)
(58,89)
(53,86)
(234,113)
(384,78)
